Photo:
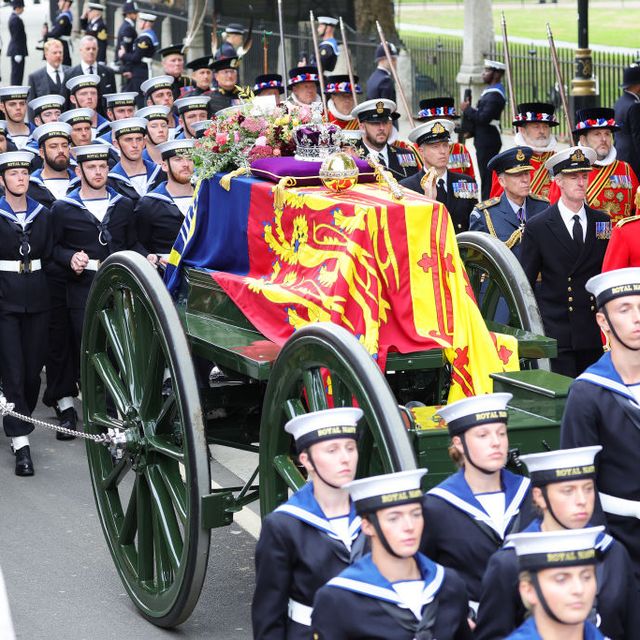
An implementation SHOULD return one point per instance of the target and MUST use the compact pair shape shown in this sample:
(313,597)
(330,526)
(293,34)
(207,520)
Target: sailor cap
(148,17)
(14,92)
(327,20)
(128,125)
(571,160)
(95,5)
(494,64)
(82,82)
(191,103)
(309,428)
(155,83)
(122,99)
(476,410)
(90,152)
(433,131)
(52,130)
(154,112)
(561,465)
(43,103)
(614,284)
(171,147)
(3,127)
(388,490)
(200,127)
(15,160)
(74,116)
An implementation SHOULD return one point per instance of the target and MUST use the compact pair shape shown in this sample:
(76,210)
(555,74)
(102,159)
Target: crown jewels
(316,140)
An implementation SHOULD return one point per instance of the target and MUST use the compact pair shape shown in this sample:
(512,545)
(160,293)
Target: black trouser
(23,349)
(484,153)
(17,71)
(572,363)
(76,316)
(60,363)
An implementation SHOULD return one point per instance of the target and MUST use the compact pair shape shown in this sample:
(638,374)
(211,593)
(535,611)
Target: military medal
(603,230)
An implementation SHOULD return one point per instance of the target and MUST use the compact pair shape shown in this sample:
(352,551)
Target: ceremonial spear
(316,50)
(507,62)
(348,59)
(556,66)
(284,54)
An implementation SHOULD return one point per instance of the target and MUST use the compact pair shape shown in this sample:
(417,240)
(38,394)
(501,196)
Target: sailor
(159,215)
(133,177)
(80,121)
(444,108)
(136,64)
(623,249)
(470,513)
(93,24)
(13,103)
(340,101)
(157,117)
(603,406)
(304,84)
(89,224)
(25,246)
(44,109)
(375,118)
(485,120)
(191,109)
(158,90)
(394,591)
(127,31)
(200,127)
(233,35)
(269,84)
(119,106)
(201,77)
(563,246)
(5,142)
(172,58)
(458,192)
(315,534)
(83,94)
(558,583)
(564,493)
(328,46)
(46,185)
(534,122)
(612,183)
(505,216)
(61,29)
(226,93)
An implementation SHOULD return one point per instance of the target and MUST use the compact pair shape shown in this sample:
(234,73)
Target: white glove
(18,59)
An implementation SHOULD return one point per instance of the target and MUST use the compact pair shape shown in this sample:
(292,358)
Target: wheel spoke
(127,532)
(136,368)
(161,445)
(112,382)
(166,517)
(116,475)
(153,379)
(315,389)
(105,422)
(163,566)
(164,421)
(170,474)
(106,320)
(145,530)
(342,397)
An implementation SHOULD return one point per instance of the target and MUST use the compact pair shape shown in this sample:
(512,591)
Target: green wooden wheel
(149,501)
(298,383)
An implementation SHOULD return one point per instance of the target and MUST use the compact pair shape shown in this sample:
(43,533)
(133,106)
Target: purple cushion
(306,173)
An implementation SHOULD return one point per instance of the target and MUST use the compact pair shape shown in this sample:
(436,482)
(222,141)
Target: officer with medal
(119,106)
(469,514)
(13,103)
(136,64)
(612,183)
(563,246)
(505,216)
(190,110)
(133,176)
(25,247)
(315,534)
(603,406)
(340,101)
(226,93)
(160,214)
(458,192)
(558,584)
(61,29)
(93,24)
(394,591)
(375,118)
(534,122)
(564,492)
(127,31)
(157,117)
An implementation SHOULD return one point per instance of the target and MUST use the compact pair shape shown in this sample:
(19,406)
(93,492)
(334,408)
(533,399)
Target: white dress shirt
(85,68)
(51,72)
(567,218)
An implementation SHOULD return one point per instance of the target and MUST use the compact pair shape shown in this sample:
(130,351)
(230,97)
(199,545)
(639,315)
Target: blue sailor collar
(528,631)
(603,374)
(457,493)
(496,88)
(66,13)
(36,176)
(107,136)
(151,168)
(364,577)
(333,43)
(162,193)
(152,36)
(33,209)
(304,506)
(73,198)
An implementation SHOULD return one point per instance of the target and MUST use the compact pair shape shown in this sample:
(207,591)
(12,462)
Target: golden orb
(339,172)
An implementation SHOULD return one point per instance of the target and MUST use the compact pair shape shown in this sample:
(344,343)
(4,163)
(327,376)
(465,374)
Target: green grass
(614,26)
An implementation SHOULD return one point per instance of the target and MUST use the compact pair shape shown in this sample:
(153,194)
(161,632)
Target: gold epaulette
(488,203)
(535,196)
(625,220)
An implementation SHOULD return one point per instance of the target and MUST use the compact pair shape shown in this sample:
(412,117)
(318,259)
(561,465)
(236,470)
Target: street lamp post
(583,85)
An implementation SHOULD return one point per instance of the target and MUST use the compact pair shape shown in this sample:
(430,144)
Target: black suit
(627,116)
(402,162)
(568,309)
(40,84)
(457,198)
(17,47)
(107,81)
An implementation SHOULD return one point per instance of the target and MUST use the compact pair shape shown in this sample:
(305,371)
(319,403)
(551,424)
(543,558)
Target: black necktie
(91,68)
(577,232)
(58,83)
(381,159)
(441,192)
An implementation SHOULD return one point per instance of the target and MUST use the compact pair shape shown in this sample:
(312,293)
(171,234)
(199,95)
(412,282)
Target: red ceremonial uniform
(460,160)
(612,189)
(623,249)
(540,179)
(349,125)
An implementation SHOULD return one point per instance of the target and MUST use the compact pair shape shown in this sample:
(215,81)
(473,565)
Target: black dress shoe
(24,465)
(68,419)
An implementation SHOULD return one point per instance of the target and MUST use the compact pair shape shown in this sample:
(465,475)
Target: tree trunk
(368,11)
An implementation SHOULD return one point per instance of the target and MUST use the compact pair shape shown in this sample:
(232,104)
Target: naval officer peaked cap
(437,130)
(571,160)
(388,490)
(550,549)
(309,428)
(614,284)
(474,411)
(147,17)
(374,110)
(561,465)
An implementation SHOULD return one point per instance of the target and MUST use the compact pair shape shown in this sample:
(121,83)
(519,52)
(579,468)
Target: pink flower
(254,125)
(221,138)
(276,152)
(261,141)
(236,136)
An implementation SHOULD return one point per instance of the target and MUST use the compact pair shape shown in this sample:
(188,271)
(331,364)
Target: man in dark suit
(380,82)
(627,116)
(505,216)
(17,49)
(459,193)
(89,65)
(565,246)
(376,124)
(50,78)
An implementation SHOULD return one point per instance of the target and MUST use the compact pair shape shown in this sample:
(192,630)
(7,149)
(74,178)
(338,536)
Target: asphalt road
(60,577)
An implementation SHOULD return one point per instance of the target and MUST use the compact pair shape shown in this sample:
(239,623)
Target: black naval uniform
(221,99)
(460,196)
(61,30)
(296,554)
(24,309)
(135,61)
(180,83)
(403,162)
(360,604)
(126,36)
(459,533)
(380,85)
(602,410)
(617,604)
(98,29)
(17,47)
(329,54)
(120,182)
(567,309)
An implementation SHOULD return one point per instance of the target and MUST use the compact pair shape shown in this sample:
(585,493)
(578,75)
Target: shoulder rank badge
(603,230)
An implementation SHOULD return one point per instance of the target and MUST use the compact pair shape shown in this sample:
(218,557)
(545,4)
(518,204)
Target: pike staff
(507,62)
(284,53)
(556,67)
(316,50)
(348,59)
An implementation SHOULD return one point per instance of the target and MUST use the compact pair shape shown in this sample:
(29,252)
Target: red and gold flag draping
(388,271)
